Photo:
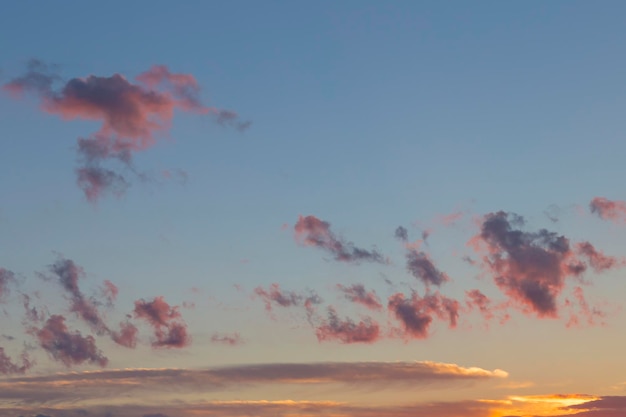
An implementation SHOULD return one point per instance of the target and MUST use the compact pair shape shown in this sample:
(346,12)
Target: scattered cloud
(231,339)
(416,313)
(358,294)
(70,348)
(311,231)
(611,210)
(346,330)
(170,331)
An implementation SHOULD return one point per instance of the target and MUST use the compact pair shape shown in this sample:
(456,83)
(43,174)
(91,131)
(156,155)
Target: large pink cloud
(70,348)
(612,210)
(311,231)
(131,115)
(531,268)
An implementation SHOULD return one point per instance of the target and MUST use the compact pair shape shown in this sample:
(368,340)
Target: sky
(304,209)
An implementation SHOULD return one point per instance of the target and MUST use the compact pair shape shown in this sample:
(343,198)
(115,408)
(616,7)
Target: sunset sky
(303,209)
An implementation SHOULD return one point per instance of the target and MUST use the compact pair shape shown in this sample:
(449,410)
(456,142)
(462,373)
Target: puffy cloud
(311,231)
(416,314)
(169,329)
(611,210)
(66,347)
(131,114)
(531,267)
(126,336)
(346,330)
(358,294)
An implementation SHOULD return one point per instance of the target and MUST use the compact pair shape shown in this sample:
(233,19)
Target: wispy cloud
(311,231)
(612,210)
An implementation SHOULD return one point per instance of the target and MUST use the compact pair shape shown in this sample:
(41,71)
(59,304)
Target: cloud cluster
(311,231)
(416,313)
(531,268)
(70,348)
(169,329)
(131,115)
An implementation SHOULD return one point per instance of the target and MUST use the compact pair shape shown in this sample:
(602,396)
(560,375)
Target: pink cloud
(169,329)
(275,296)
(416,314)
(346,330)
(611,210)
(66,347)
(357,294)
(311,231)
(126,336)
(531,268)
(131,115)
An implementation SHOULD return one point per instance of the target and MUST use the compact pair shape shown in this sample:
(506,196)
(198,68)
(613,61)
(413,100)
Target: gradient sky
(303,209)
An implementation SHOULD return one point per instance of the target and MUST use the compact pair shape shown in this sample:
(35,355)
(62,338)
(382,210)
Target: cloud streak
(311,231)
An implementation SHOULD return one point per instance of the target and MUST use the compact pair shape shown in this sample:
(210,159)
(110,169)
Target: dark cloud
(346,330)
(170,331)
(401,234)
(68,275)
(312,231)
(416,314)
(67,347)
(358,294)
(132,114)
(606,406)
(108,383)
(421,266)
(531,267)
(275,296)
(38,78)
